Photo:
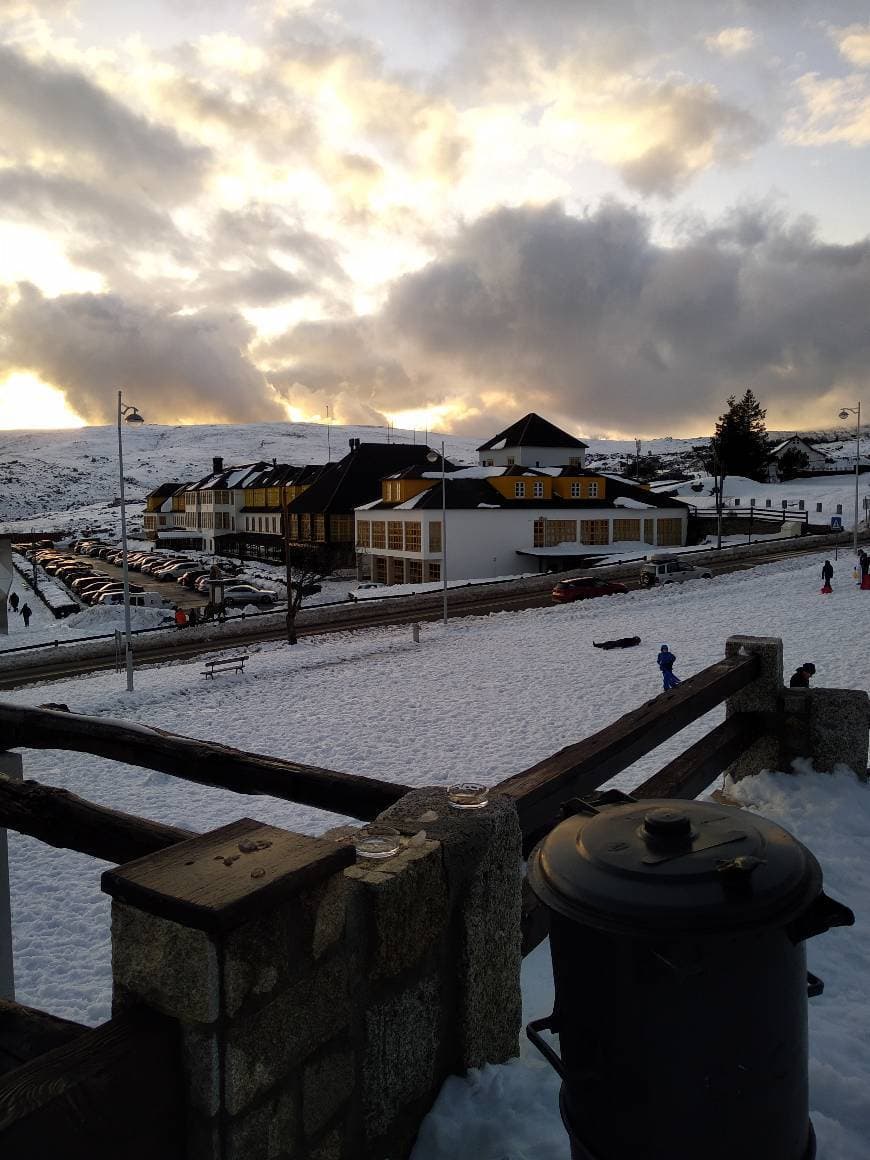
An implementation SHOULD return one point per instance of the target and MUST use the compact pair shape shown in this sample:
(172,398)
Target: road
(460,604)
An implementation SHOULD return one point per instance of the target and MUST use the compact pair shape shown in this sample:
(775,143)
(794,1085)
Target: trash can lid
(667,867)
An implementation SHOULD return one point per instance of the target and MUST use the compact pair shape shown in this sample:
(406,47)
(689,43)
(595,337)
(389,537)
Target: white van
(137,599)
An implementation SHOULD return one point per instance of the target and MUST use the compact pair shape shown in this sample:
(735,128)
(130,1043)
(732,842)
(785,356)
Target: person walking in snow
(193,617)
(665,661)
(800,678)
(13,601)
(827,575)
(26,613)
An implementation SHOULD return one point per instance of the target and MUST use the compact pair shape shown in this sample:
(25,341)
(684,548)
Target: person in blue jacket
(666,663)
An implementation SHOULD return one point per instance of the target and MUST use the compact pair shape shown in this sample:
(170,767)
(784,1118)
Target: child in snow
(827,575)
(665,661)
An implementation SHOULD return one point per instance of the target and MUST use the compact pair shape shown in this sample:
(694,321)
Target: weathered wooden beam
(62,819)
(694,770)
(113,1091)
(26,1033)
(204,762)
(578,769)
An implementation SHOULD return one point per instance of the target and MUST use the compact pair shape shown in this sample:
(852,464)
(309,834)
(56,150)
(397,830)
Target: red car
(584,587)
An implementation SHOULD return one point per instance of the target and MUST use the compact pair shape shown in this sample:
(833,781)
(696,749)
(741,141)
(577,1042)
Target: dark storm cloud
(192,367)
(590,319)
(48,109)
(53,200)
(259,227)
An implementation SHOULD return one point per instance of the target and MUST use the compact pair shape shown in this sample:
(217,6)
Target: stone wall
(322,1001)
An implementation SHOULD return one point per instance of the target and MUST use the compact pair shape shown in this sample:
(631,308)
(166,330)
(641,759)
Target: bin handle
(545,1049)
(815,986)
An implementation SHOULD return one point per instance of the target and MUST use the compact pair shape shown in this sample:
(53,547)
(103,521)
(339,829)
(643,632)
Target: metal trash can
(677,938)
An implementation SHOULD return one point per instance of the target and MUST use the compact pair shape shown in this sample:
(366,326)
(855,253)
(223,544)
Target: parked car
(367,590)
(586,587)
(237,595)
(137,599)
(201,583)
(665,568)
(189,578)
(172,571)
(88,580)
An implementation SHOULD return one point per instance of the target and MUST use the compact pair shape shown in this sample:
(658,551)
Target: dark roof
(229,478)
(356,479)
(532,431)
(163,490)
(472,493)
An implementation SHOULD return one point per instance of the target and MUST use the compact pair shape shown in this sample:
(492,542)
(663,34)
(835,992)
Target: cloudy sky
(439,213)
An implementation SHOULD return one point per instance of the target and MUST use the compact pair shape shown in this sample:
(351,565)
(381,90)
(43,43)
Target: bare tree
(306,565)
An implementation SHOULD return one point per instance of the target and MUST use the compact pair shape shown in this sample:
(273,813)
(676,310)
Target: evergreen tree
(739,443)
(792,462)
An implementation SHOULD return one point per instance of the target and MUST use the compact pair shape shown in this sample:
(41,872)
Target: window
(560,532)
(413,538)
(381,569)
(433,570)
(594,532)
(520,490)
(593,489)
(415,571)
(259,523)
(626,529)
(538,489)
(394,535)
(305,526)
(363,533)
(320,528)
(294,527)
(538,533)
(511,461)
(575,490)
(341,528)
(379,534)
(573,460)
(435,536)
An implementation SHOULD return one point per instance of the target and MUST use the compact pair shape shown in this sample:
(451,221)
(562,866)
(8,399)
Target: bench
(234,664)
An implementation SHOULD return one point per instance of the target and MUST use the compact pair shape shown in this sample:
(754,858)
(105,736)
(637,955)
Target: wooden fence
(84,1090)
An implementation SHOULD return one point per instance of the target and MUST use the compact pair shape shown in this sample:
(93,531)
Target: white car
(665,568)
(367,590)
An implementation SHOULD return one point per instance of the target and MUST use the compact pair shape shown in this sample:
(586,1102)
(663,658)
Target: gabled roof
(230,477)
(356,479)
(531,431)
(793,439)
(162,490)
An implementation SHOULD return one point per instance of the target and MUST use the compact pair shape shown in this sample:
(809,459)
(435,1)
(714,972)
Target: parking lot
(174,593)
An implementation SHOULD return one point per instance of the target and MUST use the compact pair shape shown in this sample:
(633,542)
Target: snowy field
(482,699)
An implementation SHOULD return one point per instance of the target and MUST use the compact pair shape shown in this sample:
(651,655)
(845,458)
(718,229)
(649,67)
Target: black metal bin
(677,939)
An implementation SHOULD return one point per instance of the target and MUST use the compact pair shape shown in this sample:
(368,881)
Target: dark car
(585,587)
(189,578)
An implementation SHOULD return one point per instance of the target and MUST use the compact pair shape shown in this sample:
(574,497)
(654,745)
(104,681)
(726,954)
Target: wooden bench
(234,664)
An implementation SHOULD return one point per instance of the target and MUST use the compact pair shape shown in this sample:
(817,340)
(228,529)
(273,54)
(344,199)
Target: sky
(439,214)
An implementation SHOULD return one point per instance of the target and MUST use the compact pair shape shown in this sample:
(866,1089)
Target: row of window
(207,498)
(537,489)
(397,535)
(391,570)
(548,533)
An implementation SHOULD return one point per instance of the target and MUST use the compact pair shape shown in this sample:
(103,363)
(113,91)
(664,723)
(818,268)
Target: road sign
(836,523)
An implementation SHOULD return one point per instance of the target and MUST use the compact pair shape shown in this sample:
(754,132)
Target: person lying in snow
(620,642)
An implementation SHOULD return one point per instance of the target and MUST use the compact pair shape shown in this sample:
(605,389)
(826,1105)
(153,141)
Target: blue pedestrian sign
(836,523)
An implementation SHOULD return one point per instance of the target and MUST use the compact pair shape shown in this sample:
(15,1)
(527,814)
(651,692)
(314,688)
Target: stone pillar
(828,726)
(236,934)
(10,766)
(764,695)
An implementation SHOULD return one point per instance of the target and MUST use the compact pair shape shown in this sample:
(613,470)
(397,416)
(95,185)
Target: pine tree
(739,443)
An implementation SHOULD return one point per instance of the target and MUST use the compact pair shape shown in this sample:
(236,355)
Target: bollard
(415,632)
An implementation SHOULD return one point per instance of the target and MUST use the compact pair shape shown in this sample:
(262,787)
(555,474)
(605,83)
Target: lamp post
(129,415)
(844,414)
(433,458)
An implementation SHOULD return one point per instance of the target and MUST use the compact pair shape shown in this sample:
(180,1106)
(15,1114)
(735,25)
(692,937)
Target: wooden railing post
(10,766)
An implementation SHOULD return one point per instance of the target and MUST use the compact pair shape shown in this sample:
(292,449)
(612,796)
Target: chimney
(217,464)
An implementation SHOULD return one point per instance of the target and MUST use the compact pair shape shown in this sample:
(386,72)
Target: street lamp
(433,458)
(844,414)
(129,415)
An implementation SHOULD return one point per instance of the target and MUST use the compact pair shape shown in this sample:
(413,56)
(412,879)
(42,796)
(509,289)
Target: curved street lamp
(844,414)
(130,415)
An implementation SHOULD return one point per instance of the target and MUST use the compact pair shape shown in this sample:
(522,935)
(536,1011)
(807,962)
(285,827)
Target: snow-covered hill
(44,472)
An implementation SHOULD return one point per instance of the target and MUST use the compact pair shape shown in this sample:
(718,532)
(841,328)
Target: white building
(503,520)
(816,461)
(532,442)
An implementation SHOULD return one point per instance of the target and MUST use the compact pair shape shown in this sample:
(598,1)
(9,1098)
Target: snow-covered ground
(482,699)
